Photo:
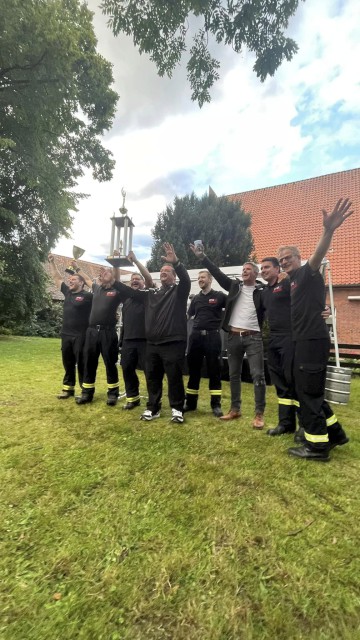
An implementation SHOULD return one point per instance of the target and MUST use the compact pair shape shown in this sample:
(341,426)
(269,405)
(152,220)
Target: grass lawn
(112,528)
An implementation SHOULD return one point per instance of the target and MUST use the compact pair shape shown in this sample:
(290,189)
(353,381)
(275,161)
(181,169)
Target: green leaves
(160,29)
(55,102)
(221,224)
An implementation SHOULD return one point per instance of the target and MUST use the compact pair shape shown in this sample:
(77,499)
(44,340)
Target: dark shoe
(309,454)
(258,422)
(131,405)
(339,443)
(232,415)
(112,401)
(299,436)
(83,399)
(280,430)
(217,412)
(66,394)
(188,407)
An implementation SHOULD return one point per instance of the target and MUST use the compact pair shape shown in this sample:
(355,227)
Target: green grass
(112,528)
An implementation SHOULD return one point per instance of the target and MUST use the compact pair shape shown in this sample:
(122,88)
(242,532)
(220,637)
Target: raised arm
(184,279)
(224,281)
(149,283)
(55,274)
(83,274)
(331,221)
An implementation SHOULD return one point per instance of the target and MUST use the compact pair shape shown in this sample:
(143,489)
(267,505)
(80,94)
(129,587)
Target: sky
(303,122)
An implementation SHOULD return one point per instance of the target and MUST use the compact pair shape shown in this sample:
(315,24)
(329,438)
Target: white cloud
(252,135)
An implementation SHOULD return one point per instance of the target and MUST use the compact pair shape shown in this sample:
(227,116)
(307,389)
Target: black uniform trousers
(310,361)
(280,359)
(104,340)
(204,344)
(132,357)
(72,351)
(166,359)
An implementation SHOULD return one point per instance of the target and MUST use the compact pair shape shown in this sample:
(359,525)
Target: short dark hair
(274,261)
(80,278)
(136,273)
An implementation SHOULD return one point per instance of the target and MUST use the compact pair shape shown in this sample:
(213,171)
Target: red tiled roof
(291,214)
(91,269)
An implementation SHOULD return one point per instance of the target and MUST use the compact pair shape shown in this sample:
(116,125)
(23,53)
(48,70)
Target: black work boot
(306,453)
(280,430)
(112,400)
(65,394)
(189,406)
(217,411)
(85,398)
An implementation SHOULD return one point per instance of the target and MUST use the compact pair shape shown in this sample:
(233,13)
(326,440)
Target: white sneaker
(177,416)
(149,415)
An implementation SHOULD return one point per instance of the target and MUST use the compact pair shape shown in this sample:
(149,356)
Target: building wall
(347,314)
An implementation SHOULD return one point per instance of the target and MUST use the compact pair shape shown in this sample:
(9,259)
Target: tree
(55,102)
(159,28)
(220,223)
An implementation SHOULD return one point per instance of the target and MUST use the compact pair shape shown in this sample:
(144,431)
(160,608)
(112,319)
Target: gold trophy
(121,237)
(77,253)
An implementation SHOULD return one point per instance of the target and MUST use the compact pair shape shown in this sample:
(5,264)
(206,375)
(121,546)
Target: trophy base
(119,261)
(71,271)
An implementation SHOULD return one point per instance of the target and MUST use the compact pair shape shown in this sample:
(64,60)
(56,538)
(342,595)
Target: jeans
(253,347)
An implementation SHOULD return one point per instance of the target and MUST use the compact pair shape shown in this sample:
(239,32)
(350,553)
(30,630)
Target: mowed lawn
(113,528)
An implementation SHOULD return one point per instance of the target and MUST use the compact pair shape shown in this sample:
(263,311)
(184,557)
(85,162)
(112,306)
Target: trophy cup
(77,253)
(121,237)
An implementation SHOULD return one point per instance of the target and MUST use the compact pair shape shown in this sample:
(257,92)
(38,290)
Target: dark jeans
(132,357)
(206,346)
(253,347)
(165,359)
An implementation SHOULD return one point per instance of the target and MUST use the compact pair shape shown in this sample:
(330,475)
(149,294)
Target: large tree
(159,28)
(56,101)
(221,224)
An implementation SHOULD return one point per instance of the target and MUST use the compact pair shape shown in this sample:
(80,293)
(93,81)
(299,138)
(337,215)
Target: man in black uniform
(276,299)
(132,335)
(243,320)
(280,353)
(77,307)
(166,334)
(205,342)
(310,334)
(101,337)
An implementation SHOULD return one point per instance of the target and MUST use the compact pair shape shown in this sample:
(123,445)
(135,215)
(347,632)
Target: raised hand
(131,256)
(333,220)
(198,250)
(170,253)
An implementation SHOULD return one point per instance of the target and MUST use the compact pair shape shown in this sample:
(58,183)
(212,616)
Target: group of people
(154,336)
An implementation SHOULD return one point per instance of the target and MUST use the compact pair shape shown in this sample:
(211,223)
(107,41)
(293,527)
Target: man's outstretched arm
(331,221)
(143,270)
(55,274)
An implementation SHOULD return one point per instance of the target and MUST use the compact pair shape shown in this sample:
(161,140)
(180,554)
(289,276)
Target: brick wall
(347,314)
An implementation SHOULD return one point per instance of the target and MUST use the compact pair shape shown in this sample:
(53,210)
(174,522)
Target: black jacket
(234,287)
(165,308)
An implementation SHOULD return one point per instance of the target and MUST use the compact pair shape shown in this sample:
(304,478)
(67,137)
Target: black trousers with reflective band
(165,359)
(310,361)
(208,347)
(72,351)
(132,358)
(280,360)
(104,342)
